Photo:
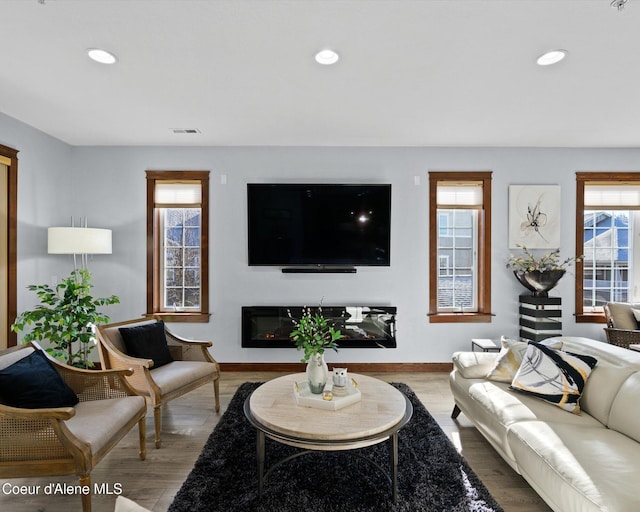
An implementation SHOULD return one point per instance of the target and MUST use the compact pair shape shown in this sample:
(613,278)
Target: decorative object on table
(327,392)
(317,373)
(326,400)
(539,274)
(340,381)
(534,216)
(314,334)
(340,377)
(66,318)
(453,487)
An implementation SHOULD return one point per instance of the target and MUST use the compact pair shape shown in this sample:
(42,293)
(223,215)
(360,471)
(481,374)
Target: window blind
(459,195)
(171,195)
(611,196)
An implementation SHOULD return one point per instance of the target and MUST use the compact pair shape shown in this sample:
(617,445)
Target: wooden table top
(382,406)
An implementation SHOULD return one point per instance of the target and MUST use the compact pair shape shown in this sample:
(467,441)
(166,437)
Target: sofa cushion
(510,358)
(615,365)
(555,376)
(33,383)
(494,409)
(147,341)
(624,416)
(577,468)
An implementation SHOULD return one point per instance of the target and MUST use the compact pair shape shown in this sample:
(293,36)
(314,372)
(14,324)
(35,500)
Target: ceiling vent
(185,130)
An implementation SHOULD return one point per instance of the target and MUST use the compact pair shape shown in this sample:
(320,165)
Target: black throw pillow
(34,383)
(147,341)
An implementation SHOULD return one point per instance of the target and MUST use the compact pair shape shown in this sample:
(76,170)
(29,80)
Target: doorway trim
(12,240)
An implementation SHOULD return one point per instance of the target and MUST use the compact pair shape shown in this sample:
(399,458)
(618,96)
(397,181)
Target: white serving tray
(305,398)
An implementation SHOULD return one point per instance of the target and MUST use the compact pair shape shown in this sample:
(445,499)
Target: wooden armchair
(68,440)
(622,326)
(192,366)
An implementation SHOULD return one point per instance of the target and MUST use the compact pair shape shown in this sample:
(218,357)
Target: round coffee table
(377,417)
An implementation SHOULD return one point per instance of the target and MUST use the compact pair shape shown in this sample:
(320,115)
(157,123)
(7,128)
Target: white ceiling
(412,72)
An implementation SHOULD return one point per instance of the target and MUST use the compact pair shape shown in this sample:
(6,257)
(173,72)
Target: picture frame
(534,216)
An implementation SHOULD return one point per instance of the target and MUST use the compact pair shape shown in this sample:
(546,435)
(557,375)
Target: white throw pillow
(510,358)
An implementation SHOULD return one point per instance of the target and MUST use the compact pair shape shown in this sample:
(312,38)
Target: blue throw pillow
(34,383)
(147,341)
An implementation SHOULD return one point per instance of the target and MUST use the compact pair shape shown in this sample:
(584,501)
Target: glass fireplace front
(362,326)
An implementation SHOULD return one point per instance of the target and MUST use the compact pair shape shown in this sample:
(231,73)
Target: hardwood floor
(188,421)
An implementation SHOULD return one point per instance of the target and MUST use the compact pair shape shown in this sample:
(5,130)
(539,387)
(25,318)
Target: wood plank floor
(188,421)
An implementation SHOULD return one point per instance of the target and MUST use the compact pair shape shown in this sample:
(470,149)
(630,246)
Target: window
(460,246)
(607,216)
(177,248)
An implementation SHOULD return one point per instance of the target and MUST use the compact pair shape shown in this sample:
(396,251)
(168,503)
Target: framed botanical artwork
(534,216)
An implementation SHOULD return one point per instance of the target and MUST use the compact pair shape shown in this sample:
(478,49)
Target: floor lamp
(79,241)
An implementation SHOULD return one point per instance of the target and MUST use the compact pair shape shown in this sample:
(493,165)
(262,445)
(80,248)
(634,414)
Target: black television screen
(319,224)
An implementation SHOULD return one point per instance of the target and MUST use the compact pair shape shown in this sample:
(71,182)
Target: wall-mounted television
(296,224)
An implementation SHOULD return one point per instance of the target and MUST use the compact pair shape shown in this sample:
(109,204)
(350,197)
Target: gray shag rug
(432,475)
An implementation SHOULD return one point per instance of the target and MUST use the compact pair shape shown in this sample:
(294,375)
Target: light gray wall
(108,186)
(44,192)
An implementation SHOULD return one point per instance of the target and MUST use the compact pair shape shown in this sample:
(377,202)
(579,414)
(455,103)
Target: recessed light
(552,57)
(327,57)
(102,56)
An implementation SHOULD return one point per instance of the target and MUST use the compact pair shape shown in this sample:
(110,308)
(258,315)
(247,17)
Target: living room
(88,169)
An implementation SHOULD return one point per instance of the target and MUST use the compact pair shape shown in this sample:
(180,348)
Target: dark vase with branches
(65,318)
(539,274)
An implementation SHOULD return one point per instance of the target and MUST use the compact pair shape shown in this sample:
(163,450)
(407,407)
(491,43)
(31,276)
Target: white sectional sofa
(576,463)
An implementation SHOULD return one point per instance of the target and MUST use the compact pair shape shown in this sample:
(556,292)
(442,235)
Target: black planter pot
(539,282)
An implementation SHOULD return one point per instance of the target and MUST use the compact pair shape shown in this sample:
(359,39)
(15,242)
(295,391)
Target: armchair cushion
(96,422)
(179,374)
(33,383)
(147,341)
(621,316)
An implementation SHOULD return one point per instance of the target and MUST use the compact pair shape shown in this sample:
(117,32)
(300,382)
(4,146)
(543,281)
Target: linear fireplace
(362,326)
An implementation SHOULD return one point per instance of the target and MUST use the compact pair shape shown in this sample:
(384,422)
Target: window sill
(180,317)
(591,318)
(441,318)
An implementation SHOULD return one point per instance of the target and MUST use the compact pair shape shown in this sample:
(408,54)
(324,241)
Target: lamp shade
(79,241)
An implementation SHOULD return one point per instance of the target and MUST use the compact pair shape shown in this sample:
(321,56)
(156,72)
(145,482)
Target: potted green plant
(539,274)
(314,334)
(65,318)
